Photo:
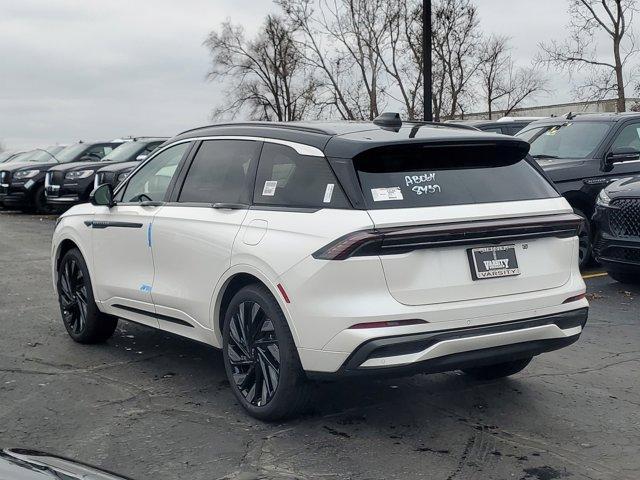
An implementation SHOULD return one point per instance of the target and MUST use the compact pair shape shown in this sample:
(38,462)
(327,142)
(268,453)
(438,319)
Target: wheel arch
(580,201)
(235,279)
(65,242)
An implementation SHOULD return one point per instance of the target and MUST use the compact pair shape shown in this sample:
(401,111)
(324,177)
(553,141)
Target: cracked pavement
(154,406)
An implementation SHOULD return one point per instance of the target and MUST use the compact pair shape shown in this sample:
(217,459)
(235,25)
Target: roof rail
(288,126)
(519,119)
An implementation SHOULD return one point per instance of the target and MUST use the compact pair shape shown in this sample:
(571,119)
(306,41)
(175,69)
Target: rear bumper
(461,348)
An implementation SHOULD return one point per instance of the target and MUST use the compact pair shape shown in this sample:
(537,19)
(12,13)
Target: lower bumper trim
(524,338)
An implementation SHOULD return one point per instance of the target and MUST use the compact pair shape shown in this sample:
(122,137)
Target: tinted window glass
(428,177)
(629,137)
(219,172)
(71,152)
(151,182)
(569,140)
(286,178)
(492,129)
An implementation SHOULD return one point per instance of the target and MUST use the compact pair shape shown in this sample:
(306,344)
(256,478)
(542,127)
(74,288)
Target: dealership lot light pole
(426,62)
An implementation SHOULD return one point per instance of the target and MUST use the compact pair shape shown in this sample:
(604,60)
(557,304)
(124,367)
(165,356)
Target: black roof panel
(347,139)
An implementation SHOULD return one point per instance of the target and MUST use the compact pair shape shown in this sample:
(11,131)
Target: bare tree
(341,39)
(269,76)
(456,41)
(502,83)
(578,52)
(401,54)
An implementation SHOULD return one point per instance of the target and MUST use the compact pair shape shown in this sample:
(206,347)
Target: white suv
(311,250)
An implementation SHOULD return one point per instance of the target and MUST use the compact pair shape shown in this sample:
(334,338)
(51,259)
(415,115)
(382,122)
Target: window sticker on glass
(328,193)
(269,189)
(386,194)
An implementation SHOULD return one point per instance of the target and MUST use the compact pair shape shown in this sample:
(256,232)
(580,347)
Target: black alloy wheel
(254,353)
(84,322)
(73,296)
(261,358)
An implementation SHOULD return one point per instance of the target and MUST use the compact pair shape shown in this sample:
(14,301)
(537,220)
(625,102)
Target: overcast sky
(96,69)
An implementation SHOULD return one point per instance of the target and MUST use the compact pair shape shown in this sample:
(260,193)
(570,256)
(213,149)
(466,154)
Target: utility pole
(426,60)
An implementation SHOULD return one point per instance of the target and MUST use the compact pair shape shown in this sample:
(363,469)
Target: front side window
(568,140)
(286,178)
(629,137)
(151,182)
(410,177)
(219,172)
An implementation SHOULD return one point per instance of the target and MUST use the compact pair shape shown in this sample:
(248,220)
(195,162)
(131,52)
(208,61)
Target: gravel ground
(154,406)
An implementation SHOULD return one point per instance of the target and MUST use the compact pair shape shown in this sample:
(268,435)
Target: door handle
(230,206)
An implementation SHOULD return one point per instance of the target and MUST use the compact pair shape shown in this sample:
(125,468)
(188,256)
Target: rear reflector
(575,299)
(283,293)
(393,323)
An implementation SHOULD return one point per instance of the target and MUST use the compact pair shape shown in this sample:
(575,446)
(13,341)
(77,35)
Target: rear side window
(288,179)
(406,177)
(219,172)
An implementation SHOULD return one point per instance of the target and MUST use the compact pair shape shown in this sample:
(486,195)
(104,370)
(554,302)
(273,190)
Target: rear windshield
(431,177)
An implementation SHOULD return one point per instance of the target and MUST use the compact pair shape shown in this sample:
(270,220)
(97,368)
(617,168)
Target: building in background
(602,106)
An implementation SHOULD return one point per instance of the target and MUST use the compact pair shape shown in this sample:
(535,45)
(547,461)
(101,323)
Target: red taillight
(392,323)
(575,299)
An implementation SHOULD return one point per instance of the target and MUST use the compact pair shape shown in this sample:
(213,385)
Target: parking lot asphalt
(154,406)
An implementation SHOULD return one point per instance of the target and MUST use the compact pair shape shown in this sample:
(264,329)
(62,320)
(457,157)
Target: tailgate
(428,253)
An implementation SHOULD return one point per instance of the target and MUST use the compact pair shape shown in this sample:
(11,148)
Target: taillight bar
(389,241)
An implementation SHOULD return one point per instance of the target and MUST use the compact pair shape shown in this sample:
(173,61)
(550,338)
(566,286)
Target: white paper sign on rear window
(269,189)
(386,194)
(328,193)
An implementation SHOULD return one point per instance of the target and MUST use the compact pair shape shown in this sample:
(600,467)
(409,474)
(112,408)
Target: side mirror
(102,195)
(141,157)
(619,155)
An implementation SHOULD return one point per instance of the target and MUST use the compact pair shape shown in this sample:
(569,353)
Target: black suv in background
(617,239)
(71,183)
(505,125)
(22,184)
(582,154)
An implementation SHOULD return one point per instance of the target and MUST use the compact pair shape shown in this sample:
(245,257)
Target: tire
(626,277)
(80,314)
(40,202)
(585,236)
(260,357)
(499,370)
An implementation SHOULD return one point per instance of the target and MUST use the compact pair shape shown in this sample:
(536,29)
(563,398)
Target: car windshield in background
(123,152)
(569,140)
(70,153)
(43,156)
(430,177)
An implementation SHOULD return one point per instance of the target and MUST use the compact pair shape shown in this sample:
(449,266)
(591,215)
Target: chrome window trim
(300,148)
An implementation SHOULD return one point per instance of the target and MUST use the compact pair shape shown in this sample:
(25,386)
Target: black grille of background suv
(624,219)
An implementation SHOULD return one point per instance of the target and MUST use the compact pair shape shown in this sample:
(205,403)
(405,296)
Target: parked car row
(594,161)
(43,179)
(324,250)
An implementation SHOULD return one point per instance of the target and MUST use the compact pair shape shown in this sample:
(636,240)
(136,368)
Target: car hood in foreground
(625,187)
(20,464)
